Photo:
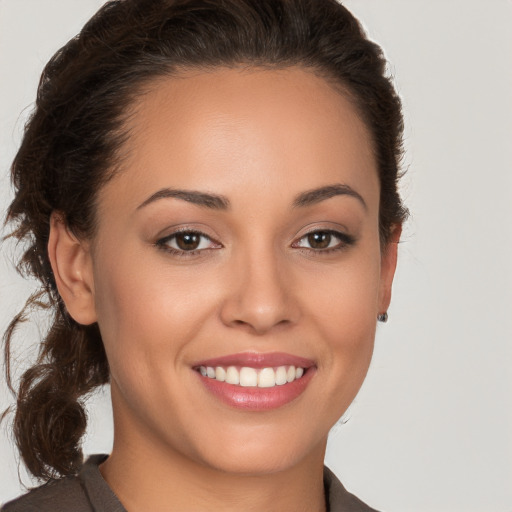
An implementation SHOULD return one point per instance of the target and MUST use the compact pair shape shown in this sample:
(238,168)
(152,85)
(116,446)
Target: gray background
(431,429)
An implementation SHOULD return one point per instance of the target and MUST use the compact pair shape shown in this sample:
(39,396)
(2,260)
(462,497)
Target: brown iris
(187,241)
(319,239)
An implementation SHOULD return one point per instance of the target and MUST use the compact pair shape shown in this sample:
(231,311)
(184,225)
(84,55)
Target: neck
(164,480)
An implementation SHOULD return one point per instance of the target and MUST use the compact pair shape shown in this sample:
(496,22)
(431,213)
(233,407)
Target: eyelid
(345,240)
(162,242)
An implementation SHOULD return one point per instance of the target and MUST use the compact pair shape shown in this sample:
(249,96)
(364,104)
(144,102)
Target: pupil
(187,241)
(319,240)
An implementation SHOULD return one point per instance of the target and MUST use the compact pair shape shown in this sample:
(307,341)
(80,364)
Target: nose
(260,294)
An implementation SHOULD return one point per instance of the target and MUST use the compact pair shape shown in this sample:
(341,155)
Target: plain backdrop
(431,430)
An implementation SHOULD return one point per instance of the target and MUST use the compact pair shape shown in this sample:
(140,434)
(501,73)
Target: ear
(72,268)
(388,266)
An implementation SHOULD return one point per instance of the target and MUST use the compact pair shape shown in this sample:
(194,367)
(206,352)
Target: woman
(209,195)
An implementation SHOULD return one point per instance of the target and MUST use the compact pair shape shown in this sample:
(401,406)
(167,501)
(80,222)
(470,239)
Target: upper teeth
(247,376)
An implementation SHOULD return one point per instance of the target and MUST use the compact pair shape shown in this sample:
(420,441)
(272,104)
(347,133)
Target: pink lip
(254,398)
(257,360)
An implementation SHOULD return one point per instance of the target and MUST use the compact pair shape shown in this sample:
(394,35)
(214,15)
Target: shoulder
(339,499)
(85,492)
(55,496)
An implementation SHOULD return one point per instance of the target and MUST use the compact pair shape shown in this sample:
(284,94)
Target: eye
(184,242)
(324,240)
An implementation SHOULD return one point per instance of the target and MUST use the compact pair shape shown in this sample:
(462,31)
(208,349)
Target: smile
(254,381)
(247,376)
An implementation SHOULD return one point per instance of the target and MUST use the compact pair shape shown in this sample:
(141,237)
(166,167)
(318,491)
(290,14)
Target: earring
(383,317)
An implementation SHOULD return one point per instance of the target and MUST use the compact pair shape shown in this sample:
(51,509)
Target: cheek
(346,298)
(343,310)
(147,310)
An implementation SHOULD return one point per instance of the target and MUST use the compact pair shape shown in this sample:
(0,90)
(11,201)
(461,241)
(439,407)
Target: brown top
(89,492)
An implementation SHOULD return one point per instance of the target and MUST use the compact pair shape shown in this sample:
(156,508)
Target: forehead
(236,130)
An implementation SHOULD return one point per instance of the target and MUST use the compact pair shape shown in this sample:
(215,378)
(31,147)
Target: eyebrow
(316,195)
(212,201)
(219,202)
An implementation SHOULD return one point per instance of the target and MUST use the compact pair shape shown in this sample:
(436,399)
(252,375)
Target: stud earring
(383,317)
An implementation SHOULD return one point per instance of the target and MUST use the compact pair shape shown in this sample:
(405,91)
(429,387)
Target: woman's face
(240,233)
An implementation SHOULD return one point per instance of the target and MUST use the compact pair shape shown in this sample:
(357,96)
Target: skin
(258,138)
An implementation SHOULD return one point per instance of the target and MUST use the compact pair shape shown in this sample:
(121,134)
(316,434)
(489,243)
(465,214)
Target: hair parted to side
(72,139)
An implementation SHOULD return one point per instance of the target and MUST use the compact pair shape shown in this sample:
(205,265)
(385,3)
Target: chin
(262,451)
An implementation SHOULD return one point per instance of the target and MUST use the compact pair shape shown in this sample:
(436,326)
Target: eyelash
(162,243)
(345,241)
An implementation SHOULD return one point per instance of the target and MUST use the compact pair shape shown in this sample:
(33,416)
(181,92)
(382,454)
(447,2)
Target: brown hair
(69,150)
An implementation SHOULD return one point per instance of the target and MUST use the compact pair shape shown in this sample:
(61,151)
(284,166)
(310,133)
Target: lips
(256,381)
(257,360)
